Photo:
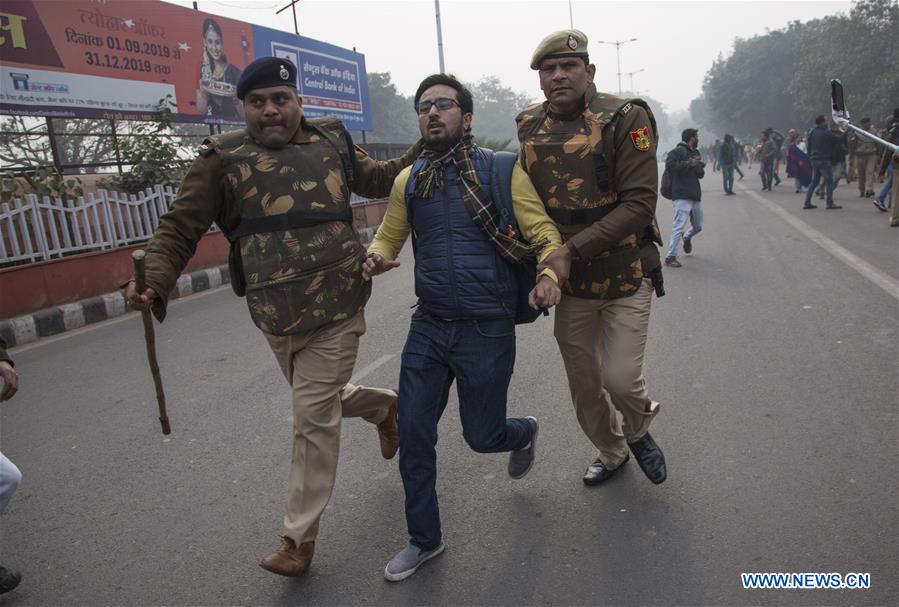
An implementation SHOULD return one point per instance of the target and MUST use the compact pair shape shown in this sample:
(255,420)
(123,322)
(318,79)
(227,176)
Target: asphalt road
(774,356)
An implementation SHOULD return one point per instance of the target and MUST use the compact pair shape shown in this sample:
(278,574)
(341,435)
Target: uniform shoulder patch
(641,138)
(627,107)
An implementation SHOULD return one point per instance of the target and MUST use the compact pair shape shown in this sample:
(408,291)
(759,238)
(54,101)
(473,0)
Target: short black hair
(686,134)
(463,95)
(865,120)
(820,119)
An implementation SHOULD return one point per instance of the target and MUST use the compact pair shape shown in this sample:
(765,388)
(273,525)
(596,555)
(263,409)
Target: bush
(153,153)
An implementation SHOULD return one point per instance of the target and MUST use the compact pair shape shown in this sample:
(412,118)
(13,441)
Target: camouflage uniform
(299,257)
(598,176)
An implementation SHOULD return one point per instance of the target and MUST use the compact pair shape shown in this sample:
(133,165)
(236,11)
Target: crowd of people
(815,160)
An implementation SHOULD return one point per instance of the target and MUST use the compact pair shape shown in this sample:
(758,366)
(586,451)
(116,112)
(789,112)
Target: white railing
(38,229)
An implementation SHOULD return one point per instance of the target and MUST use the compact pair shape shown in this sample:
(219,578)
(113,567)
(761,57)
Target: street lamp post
(631,74)
(439,36)
(618,44)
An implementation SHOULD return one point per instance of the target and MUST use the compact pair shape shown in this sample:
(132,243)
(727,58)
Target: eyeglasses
(442,103)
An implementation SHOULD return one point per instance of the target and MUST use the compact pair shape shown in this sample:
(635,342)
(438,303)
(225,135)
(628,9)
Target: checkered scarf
(478,202)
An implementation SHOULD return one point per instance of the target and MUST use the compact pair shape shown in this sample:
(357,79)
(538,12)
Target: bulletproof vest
(295,249)
(572,166)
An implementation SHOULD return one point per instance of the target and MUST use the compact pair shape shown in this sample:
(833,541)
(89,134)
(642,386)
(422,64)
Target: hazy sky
(676,41)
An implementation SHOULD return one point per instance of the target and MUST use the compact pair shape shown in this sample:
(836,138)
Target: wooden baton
(140,283)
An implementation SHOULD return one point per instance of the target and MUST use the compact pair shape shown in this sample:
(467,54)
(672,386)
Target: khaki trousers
(318,364)
(602,344)
(867,172)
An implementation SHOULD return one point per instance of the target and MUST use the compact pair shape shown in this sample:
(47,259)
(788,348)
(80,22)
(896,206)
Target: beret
(564,43)
(264,72)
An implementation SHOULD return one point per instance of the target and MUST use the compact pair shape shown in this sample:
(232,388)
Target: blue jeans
(479,355)
(887,185)
(9,480)
(767,173)
(822,168)
(727,171)
(683,210)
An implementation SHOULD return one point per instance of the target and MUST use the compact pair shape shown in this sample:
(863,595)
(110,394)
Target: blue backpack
(501,192)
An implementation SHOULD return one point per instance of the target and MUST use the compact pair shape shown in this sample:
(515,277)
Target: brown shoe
(389,433)
(289,559)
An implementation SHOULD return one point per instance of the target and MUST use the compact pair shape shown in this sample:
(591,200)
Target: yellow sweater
(535,224)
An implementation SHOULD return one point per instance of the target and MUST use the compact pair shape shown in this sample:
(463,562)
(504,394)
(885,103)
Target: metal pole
(873,137)
(293,7)
(618,54)
(439,37)
(570,15)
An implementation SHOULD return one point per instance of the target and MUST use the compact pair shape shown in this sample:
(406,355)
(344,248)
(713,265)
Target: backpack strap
(409,194)
(501,190)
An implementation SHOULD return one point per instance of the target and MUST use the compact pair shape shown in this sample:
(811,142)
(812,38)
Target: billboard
(117,59)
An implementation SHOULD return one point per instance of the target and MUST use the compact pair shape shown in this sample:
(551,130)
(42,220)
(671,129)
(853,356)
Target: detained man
(463,329)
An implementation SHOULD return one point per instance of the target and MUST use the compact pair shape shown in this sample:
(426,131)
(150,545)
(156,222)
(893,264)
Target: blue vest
(458,273)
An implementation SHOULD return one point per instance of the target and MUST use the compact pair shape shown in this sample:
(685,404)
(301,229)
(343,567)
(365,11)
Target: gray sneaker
(520,461)
(408,560)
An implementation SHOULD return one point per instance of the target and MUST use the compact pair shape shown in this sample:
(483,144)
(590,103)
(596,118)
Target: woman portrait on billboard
(217,93)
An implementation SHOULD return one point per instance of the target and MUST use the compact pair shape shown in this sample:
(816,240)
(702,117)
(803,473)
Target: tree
(781,78)
(154,153)
(392,114)
(24,142)
(495,108)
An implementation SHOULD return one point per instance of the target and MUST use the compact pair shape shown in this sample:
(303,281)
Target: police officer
(280,190)
(866,151)
(592,159)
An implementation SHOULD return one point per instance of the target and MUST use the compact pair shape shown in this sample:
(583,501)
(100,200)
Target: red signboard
(117,59)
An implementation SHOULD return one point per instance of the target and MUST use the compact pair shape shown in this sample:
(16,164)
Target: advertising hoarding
(117,59)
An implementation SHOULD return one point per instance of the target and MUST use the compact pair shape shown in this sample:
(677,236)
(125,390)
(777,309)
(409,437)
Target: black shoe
(834,206)
(688,246)
(520,461)
(9,579)
(597,471)
(869,194)
(879,205)
(809,205)
(729,194)
(673,262)
(650,458)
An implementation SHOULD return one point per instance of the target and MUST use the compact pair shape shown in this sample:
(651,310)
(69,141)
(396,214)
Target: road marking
(369,368)
(44,341)
(886,282)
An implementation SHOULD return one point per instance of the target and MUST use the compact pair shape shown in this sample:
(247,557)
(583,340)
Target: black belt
(580,216)
(287,221)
